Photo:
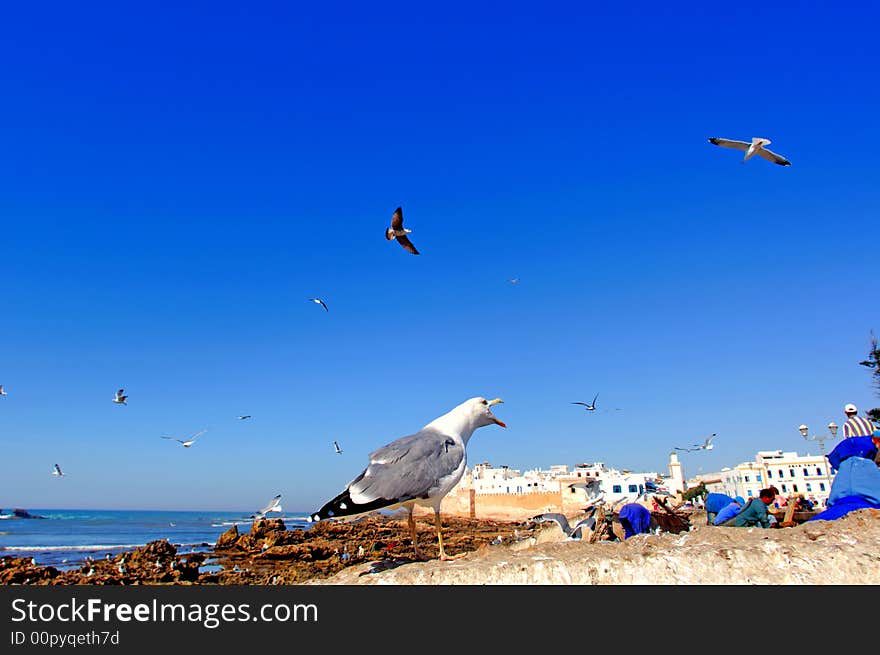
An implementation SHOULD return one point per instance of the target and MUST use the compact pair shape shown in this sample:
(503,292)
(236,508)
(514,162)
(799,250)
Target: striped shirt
(858,427)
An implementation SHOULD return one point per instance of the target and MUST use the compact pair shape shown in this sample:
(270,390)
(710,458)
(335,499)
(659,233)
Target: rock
(228,539)
(262,527)
(820,552)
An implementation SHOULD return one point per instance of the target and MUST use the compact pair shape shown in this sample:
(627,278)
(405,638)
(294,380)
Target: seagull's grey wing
(589,522)
(584,404)
(769,155)
(729,143)
(407,244)
(397,219)
(272,504)
(708,440)
(559,519)
(119,393)
(196,435)
(406,469)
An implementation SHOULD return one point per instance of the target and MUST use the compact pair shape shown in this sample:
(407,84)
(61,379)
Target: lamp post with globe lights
(832,429)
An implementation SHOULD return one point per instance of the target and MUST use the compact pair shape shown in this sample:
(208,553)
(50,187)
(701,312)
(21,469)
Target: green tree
(873,363)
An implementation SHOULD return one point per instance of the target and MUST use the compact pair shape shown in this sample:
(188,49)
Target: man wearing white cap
(856,426)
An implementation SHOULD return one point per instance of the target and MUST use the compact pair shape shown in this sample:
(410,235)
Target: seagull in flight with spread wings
(189,442)
(244,417)
(273,505)
(57,471)
(706,445)
(120,398)
(397,231)
(2,392)
(318,301)
(591,407)
(756,147)
(338,449)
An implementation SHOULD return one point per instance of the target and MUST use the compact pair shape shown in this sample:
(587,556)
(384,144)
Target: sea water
(66,537)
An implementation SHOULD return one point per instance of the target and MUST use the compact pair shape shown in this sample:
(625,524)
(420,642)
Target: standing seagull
(592,406)
(417,469)
(397,231)
(57,472)
(120,397)
(756,147)
(189,442)
(318,301)
(338,449)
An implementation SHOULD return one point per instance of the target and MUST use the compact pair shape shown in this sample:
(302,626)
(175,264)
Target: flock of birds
(423,467)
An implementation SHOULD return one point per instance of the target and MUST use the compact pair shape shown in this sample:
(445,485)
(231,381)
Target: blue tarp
(715,502)
(857,483)
(635,519)
(852,447)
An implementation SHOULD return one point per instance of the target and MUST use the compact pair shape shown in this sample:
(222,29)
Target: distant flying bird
(570,531)
(120,397)
(2,392)
(273,505)
(756,147)
(514,280)
(242,418)
(591,486)
(338,449)
(57,472)
(590,407)
(189,442)
(397,231)
(706,445)
(318,301)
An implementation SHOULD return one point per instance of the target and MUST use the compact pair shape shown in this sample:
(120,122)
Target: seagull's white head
(467,417)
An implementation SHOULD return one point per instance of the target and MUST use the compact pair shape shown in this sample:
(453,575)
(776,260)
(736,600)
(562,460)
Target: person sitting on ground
(755,512)
(857,483)
(732,509)
(635,519)
(715,502)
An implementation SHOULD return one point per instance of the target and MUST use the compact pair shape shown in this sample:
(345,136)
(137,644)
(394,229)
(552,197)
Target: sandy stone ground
(846,551)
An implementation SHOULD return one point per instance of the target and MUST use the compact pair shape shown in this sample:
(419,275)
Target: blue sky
(176,182)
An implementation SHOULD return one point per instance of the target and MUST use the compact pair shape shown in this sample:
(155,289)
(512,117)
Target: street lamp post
(832,429)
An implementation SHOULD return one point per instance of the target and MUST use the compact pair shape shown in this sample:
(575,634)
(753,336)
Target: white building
(809,475)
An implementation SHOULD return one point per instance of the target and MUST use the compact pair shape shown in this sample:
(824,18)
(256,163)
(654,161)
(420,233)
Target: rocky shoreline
(270,554)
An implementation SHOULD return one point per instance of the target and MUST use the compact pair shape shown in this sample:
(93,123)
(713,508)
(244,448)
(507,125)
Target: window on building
(794,488)
(633,488)
(818,471)
(784,490)
(573,490)
(769,475)
(747,479)
(616,489)
(791,473)
(821,486)
(780,473)
(750,493)
(809,487)
(758,477)
(806,472)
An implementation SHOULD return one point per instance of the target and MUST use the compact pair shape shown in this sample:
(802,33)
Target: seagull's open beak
(497,401)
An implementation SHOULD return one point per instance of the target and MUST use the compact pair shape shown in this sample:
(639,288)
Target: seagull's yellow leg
(443,555)
(412,530)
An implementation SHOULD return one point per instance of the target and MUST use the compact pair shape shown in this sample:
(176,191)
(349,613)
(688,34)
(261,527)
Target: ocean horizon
(64,538)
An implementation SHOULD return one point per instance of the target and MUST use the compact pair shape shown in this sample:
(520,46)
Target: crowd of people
(856,485)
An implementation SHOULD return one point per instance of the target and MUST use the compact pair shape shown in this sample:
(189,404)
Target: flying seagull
(706,445)
(570,531)
(338,449)
(590,407)
(273,505)
(591,487)
(756,147)
(417,469)
(397,231)
(242,418)
(2,392)
(514,280)
(189,442)
(120,397)
(57,472)
(318,301)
